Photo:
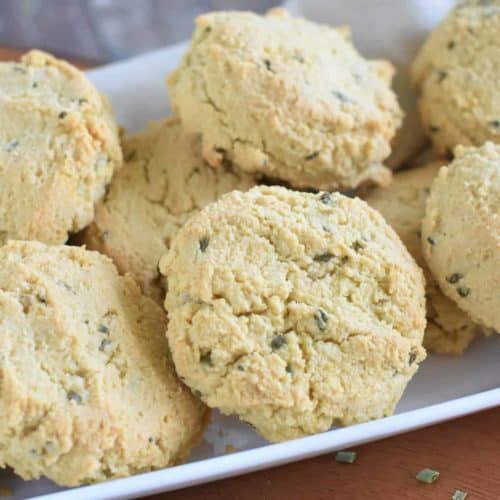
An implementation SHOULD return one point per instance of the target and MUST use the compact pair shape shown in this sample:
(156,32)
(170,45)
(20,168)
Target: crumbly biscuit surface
(295,311)
(87,389)
(164,182)
(457,73)
(59,147)
(285,98)
(449,330)
(461,232)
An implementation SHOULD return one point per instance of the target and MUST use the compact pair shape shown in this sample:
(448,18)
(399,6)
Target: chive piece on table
(427,476)
(345,457)
(459,495)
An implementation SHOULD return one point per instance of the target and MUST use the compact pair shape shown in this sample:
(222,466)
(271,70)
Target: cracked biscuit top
(461,232)
(164,182)
(87,388)
(59,147)
(294,311)
(457,73)
(449,330)
(287,99)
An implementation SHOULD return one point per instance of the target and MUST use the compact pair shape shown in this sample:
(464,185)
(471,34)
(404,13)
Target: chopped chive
(463,291)
(323,257)
(431,240)
(345,457)
(130,155)
(441,76)
(454,278)
(102,328)
(451,45)
(74,396)
(311,156)
(494,124)
(434,129)
(104,344)
(268,65)
(459,495)
(358,245)
(326,198)
(412,357)
(321,319)
(427,476)
(204,243)
(341,97)
(289,368)
(206,358)
(278,341)
(62,114)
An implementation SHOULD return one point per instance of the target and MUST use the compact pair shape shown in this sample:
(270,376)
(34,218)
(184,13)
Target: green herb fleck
(268,65)
(34,85)
(494,124)
(345,457)
(451,45)
(298,58)
(197,393)
(454,278)
(206,358)
(62,114)
(344,259)
(74,396)
(463,291)
(412,357)
(323,257)
(150,440)
(459,495)
(341,97)
(19,69)
(102,328)
(427,476)
(289,368)
(131,155)
(321,319)
(326,198)
(240,368)
(41,298)
(203,243)
(431,240)
(358,245)
(82,100)
(278,341)
(311,156)
(104,344)
(441,76)
(220,150)
(12,145)
(434,129)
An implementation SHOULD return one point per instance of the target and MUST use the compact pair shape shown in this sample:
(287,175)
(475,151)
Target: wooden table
(465,451)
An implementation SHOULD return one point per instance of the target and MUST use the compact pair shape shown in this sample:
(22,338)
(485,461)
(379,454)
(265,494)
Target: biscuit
(461,232)
(286,98)
(295,311)
(88,391)
(164,181)
(457,77)
(59,147)
(449,330)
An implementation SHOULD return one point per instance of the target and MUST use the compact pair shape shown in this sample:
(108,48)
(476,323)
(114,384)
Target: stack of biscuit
(220,265)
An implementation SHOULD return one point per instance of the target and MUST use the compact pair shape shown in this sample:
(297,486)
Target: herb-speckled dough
(87,389)
(457,73)
(59,147)
(461,232)
(294,311)
(449,330)
(286,98)
(164,181)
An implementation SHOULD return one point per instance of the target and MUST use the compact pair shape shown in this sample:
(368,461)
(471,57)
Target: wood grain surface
(465,451)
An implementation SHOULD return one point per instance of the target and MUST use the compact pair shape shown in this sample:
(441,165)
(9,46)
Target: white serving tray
(444,388)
